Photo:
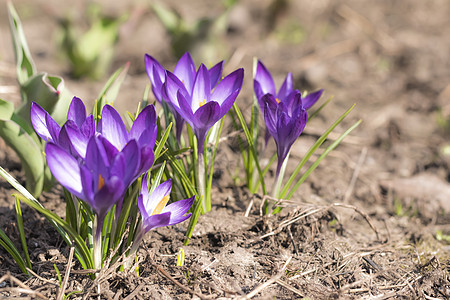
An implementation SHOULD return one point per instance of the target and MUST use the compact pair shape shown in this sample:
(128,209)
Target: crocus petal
(77,139)
(147,159)
(108,195)
(286,88)
(270,107)
(311,99)
(228,103)
(112,127)
(141,207)
(97,159)
(155,221)
(43,123)
(185,70)
(259,95)
(132,159)
(65,143)
(87,182)
(201,91)
(156,74)
(293,100)
(265,79)
(171,87)
(77,111)
(178,209)
(88,127)
(215,73)
(184,109)
(144,129)
(65,168)
(108,149)
(207,115)
(144,187)
(228,85)
(157,195)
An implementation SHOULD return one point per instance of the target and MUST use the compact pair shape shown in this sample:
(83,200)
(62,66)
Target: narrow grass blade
(110,91)
(321,157)
(6,243)
(211,167)
(25,66)
(311,151)
(251,145)
(160,144)
(21,229)
(86,260)
(128,202)
(317,111)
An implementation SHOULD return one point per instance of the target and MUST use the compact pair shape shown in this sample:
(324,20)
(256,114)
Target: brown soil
(365,223)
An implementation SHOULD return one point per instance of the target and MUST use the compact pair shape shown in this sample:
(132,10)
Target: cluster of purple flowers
(198,97)
(98,164)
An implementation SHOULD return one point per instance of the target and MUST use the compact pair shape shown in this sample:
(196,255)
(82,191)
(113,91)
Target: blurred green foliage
(90,51)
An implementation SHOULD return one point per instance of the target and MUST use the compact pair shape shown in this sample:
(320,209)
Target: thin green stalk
(251,145)
(201,182)
(211,164)
(279,177)
(6,243)
(22,232)
(311,150)
(97,247)
(321,157)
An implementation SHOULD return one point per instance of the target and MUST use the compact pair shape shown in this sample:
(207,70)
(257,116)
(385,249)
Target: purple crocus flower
(153,207)
(285,121)
(200,107)
(77,125)
(77,131)
(263,84)
(102,178)
(186,73)
(143,130)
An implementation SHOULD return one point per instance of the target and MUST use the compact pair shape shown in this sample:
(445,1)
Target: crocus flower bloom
(200,107)
(78,125)
(102,178)
(185,72)
(143,130)
(263,84)
(285,121)
(153,207)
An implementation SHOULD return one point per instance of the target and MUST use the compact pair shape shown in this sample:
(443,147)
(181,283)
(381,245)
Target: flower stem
(281,168)
(97,253)
(201,182)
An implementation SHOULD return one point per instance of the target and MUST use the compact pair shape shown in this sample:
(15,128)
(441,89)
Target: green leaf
(251,145)
(49,92)
(22,231)
(85,258)
(60,225)
(6,110)
(321,157)
(6,243)
(29,152)
(111,88)
(160,144)
(109,91)
(311,151)
(25,67)
(128,202)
